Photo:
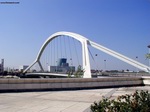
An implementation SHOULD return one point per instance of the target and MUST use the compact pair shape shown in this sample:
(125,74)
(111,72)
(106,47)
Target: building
(22,68)
(62,67)
(2,66)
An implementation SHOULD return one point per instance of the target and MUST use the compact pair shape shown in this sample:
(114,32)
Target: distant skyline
(121,25)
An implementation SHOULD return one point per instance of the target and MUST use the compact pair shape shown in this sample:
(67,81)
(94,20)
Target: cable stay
(65,47)
(61,48)
(71,61)
(93,58)
(76,51)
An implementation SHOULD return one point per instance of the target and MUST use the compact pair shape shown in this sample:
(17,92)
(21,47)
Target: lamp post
(56,67)
(105,64)
(136,67)
(96,63)
(47,66)
(148,55)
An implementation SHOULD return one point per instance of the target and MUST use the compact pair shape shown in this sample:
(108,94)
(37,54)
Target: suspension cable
(76,51)
(91,54)
(47,52)
(61,47)
(65,46)
(48,55)
(54,51)
(42,59)
(57,51)
(70,52)
(93,58)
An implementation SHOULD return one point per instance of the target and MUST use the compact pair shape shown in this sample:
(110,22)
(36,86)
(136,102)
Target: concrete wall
(66,83)
(146,81)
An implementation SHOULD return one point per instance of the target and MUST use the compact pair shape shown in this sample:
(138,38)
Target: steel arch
(85,55)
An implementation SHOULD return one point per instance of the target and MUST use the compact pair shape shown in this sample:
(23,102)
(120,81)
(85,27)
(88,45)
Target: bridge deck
(48,74)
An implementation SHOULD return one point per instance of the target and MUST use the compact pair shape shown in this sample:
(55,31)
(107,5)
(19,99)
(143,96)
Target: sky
(121,25)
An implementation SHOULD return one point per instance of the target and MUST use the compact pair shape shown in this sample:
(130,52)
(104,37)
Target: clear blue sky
(121,25)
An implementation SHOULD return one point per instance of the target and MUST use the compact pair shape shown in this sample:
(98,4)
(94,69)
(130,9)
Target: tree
(79,73)
(137,102)
(147,56)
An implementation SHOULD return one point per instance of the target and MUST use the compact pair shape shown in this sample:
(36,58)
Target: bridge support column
(86,60)
(40,66)
(29,67)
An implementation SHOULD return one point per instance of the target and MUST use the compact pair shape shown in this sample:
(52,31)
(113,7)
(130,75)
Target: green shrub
(78,74)
(137,102)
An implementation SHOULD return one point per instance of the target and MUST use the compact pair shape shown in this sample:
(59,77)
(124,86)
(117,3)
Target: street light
(56,67)
(96,62)
(105,64)
(148,55)
(136,67)
(47,66)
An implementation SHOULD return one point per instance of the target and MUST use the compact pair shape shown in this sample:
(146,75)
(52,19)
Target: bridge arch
(85,55)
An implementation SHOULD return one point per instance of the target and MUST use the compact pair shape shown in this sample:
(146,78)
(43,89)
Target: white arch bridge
(85,54)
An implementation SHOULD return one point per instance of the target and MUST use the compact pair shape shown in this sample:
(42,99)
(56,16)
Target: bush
(78,74)
(137,102)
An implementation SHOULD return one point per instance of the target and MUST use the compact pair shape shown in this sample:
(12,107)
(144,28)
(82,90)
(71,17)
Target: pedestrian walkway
(59,101)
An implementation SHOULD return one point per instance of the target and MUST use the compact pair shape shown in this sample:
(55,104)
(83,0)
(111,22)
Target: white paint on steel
(85,53)
(86,62)
(120,56)
(48,74)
